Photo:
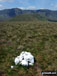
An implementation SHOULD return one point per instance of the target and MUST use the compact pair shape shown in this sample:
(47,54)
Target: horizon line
(27,9)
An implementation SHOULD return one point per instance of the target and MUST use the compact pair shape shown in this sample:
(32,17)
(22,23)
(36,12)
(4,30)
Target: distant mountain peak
(6,14)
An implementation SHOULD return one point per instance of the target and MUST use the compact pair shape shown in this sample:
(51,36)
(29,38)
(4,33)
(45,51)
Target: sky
(29,4)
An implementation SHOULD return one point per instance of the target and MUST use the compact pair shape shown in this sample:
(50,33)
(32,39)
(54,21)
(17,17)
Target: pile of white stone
(24,59)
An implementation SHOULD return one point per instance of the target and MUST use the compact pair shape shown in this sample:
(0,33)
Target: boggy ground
(39,38)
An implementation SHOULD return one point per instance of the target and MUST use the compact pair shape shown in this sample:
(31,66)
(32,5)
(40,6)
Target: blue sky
(29,4)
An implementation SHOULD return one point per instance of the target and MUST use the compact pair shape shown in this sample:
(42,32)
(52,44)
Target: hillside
(29,17)
(6,14)
(37,37)
(49,14)
(9,13)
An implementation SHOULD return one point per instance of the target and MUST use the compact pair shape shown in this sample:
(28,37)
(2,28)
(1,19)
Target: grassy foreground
(39,38)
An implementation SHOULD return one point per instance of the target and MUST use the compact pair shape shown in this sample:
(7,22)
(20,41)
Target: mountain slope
(8,13)
(50,15)
(29,17)
(12,13)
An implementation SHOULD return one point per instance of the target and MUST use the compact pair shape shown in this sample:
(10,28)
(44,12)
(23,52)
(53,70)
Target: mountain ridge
(50,15)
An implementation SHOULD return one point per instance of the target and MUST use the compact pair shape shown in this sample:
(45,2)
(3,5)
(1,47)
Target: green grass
(39,38)
(29,17)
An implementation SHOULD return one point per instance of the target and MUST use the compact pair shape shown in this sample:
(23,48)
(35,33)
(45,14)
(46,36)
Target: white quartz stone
(12,67)
(24,63)
(17,60)
(25,59)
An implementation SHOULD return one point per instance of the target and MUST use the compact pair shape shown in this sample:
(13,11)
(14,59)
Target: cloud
(23,2)
(54,6)
(28,8)
(31,7)
(21,7)
(1,6)
(6,0)
(3,0)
